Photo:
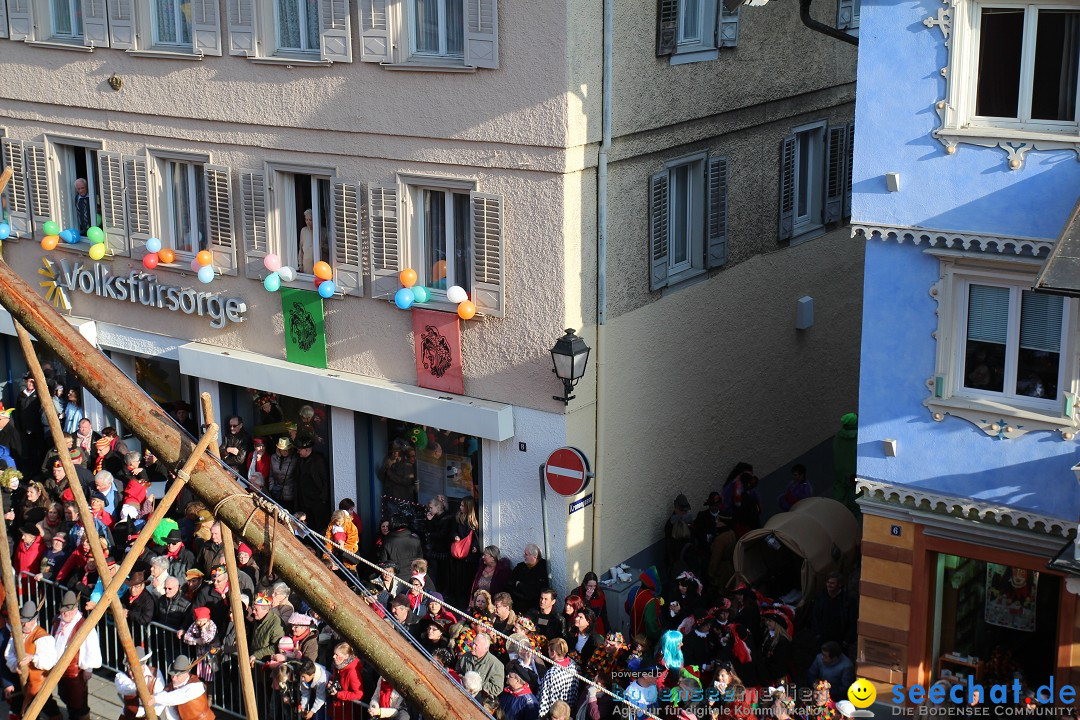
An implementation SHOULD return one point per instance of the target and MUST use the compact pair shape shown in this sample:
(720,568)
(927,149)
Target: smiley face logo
(862,693)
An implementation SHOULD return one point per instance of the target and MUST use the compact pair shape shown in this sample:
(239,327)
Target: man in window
(82,205)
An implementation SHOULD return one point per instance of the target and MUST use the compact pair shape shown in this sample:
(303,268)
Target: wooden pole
(247,684)
(113,586)
(87,520)
(438,697)
(11,598)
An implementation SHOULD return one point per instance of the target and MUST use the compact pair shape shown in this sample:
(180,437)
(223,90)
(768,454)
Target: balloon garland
(410,293)
(278,274)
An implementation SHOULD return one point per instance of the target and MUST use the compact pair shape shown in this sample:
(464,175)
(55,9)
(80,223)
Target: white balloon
(456,294)
(286,273)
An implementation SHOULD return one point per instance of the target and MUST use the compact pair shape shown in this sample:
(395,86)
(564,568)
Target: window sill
(684,280)
(999,419)
(430,65)
(807,235)
(62,45)
(685,58)
(166,54)
(1016,142)
(290,62)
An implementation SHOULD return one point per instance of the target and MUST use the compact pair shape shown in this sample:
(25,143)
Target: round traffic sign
(567,471)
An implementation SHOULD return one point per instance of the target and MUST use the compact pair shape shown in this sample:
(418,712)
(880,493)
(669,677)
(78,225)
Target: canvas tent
(793,553)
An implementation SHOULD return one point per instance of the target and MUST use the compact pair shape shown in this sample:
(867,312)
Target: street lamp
(570,355)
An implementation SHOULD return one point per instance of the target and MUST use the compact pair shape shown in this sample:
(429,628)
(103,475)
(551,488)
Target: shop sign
(65,277)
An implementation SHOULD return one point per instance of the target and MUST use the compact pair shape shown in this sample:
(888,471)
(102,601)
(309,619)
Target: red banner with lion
(438,351)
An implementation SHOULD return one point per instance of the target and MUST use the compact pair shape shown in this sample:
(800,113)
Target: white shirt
(318,684)
(89,653)
(44,654)
(125,687)
(169,699)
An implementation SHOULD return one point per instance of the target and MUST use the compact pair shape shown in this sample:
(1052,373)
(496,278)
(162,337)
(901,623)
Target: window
(847,15)
(300,215)
(67,18)
(71,24)
(809,164)
(440,221)
(184,29)
(693,30)
(76,190)
(297,25)
(449,34)
(182,210)
(293,32)
(688,223)
(1012,75)
(1003,350)
(815,188)
(171,22)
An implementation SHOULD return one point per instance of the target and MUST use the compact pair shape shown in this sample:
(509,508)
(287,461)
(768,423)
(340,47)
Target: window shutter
(18,205)
(988,314)
(374,32)
(218,192)
(850,169)
(1040,321)
(836,161)
(336,35)
(253,214)
(845,14)
(667,22)
(121,25)
(242,28)
(95,23)
(727,31)
(787,187)
(384,241)
(20,20)
(137,194)
(37,181)
(487,253)
(348,257)
(111,179)
(205,27)
(3,20)
(716,217)
(658,230)
(482,33)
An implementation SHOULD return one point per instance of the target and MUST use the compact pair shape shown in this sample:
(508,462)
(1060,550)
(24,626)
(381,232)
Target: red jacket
(28,559)
(134,493)
(344,706)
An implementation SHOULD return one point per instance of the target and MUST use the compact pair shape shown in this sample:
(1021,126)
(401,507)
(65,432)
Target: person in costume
(73,686)
(39,648)
(184,698)
(129,694)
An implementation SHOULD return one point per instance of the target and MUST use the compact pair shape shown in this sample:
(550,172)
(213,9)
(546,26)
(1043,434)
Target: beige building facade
(420,131)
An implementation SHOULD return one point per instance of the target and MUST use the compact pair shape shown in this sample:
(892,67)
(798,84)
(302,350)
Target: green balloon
(95,235)
(50,228)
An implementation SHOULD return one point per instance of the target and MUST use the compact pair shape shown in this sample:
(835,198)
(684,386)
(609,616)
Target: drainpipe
(804,12)
(601,283)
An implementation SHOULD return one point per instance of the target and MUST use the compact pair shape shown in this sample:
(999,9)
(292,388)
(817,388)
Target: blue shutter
(1040,322)
(988,314)
(658,230)
(787,187)
(716,212)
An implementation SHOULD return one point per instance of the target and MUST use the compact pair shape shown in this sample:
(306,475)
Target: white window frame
(281,48)
(175,45)
(281,217)
(75,10)
(706,21)
(847,15)
(809,138)
(161,202)
(443,55)
(410,188)
(960,28)
(57,147)
(1001,414)
(693,207)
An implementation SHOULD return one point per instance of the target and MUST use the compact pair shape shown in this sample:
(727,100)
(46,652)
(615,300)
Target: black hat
(28,611)
(174,536)
(517,669)
(682,502)
(98,495)
(28,375)
(715,498)
(181,665)
(138,573)
(70,601)
(30,529)
(304,441)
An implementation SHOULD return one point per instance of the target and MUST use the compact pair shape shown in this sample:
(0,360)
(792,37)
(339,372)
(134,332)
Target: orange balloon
(49,242)
(204,258)
(438,271)
(466,310)
(323,271)
(407,277)
(166,255)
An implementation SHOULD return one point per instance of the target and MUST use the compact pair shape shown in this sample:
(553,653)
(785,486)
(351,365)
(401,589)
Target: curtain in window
(181,199)
(61,17)
(172,21)
(427,26)
(689,25)
(435,237)
(455,27)
(298,24)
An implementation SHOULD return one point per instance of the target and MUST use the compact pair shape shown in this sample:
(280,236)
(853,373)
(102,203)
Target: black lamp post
(570,356)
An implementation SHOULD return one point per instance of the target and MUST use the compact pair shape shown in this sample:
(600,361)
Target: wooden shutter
(95,23)
(374,31)
(667,23)
(348,258)
(335,36)
(20,19)
(487,253)
(121,25)
(137,195)
(835,168)
(205,27)
(482,33)
(384,241)
(242,34)
(787,187)
(18,204)
(3,20)
(218,192)
(845,14)
(113,218)
(658,230)
(253,216)
(850,169)
(727,27)
(37,182)
(716,213)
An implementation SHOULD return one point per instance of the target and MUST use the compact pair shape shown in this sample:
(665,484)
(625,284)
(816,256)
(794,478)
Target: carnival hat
(70,601)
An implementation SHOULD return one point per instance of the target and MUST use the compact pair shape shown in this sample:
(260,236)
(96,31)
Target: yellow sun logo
(54,293)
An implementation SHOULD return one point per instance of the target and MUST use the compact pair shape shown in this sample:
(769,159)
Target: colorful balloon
(150,260)
(272,263)
(287,273)
(206,274)
(404,298)
(166,255)
(204,258)
(195,265)
(456,294)
(327,289)
(50,228)
(66,236)
(49,242)
(407,277)
(96,251)
(323,271)
(466,310)
(95,235)
(272,282)
(153,245)
(420,293)
(5,231)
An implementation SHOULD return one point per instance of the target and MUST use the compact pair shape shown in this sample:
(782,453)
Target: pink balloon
(272,262)
(195,265)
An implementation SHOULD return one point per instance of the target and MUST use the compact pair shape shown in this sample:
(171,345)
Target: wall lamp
(569,356)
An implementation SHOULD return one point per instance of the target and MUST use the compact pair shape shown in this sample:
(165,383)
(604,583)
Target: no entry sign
(567,471)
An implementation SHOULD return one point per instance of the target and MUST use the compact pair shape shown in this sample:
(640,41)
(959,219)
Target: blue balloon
(5,231)
(272,282)
(206,274)
(404,298)
(420,293)
(71,237)
(327,289)
(153,245)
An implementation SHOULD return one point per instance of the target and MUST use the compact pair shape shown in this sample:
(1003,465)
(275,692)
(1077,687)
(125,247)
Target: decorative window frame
(998,418)
(956,21)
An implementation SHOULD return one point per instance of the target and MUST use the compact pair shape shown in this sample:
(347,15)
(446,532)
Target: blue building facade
(965,176)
